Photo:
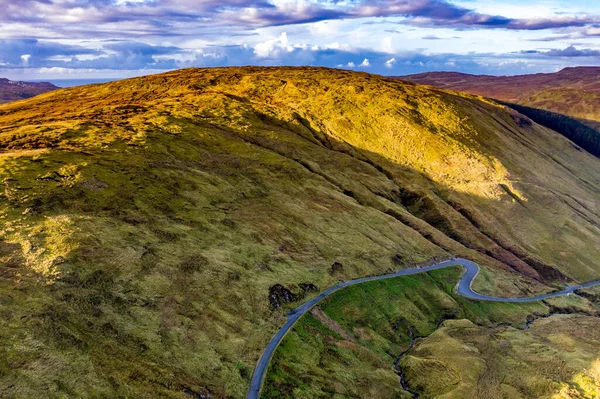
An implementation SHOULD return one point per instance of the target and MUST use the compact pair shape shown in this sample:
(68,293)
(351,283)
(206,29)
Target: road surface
(463,288)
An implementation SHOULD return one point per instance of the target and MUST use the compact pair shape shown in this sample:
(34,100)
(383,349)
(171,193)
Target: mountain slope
(154,228)
(12,90)
(572,91)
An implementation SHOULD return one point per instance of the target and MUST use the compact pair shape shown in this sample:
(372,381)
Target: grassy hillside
(154,228)
(573,92)
(556,358)
(579,133)
(347,347)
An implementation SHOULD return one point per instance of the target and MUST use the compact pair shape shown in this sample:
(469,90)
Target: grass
(144,221)
(555,358)
(480,350)
(572,91)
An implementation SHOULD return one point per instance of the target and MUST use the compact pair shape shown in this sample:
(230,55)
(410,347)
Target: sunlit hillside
(147,223)
(572,91)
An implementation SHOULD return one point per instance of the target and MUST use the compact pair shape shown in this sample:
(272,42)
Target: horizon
(66,83)
(117,39)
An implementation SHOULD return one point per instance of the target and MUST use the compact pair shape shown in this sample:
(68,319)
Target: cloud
(572,51)
(146,49)
(350,64)
(25,59)
(31,53)
(279,49)
(127,19)
(15,52)
(274,47)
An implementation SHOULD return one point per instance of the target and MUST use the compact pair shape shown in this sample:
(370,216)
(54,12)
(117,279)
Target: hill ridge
(161,226)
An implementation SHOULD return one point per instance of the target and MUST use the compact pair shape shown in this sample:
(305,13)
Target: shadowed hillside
(155,229)
(576,131)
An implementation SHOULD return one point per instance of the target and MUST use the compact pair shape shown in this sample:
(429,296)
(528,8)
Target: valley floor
(345,346)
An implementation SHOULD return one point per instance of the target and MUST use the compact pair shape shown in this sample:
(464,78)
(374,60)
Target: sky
(112,39)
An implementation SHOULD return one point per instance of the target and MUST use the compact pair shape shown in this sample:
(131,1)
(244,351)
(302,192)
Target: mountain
(12,90)
(572,91)
(156,230)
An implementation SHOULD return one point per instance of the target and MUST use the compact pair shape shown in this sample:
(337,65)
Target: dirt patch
(331,324)
(10,254)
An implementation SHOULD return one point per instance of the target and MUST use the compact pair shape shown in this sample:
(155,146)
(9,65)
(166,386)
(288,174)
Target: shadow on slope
(576,131)
(145,233)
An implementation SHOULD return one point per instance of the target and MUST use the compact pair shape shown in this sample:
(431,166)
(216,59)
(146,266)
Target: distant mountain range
(572,91)
(11,90)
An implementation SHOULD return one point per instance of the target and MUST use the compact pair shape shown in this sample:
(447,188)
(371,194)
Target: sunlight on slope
(163,210)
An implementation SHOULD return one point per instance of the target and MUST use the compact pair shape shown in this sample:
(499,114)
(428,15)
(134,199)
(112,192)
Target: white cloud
(273,47)
(348,65)
(387,46)
(365,63)
(25,59)
(390,63)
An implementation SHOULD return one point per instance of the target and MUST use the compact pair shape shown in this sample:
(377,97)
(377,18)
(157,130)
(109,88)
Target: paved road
(463,288)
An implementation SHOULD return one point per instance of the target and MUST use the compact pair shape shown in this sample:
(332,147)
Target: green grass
(144,221)
(378,318)
(472,354)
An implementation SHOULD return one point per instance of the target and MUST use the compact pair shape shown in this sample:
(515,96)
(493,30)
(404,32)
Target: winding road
(463,288)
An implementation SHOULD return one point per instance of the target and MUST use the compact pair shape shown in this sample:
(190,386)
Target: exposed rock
(397,259)
(308,287)
(279,295)
(197,395)
(337,267)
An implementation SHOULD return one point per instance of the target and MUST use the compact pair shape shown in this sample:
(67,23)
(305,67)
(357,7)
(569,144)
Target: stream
(403,382)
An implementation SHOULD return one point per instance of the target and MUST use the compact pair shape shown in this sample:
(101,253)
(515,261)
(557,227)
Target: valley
(463,288)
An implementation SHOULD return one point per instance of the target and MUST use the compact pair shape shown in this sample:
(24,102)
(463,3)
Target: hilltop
(13,90)
(572,91)
(156,229)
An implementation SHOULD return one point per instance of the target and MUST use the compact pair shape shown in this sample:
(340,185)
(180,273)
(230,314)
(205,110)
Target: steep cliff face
(147,221)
